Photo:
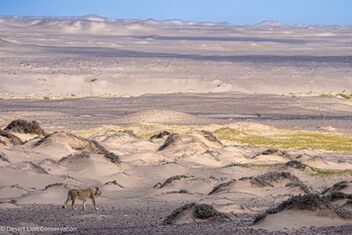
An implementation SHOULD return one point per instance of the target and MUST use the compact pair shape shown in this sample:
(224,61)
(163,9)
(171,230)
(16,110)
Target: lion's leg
(73,203)
(67,200)
(93,201)
(84,205)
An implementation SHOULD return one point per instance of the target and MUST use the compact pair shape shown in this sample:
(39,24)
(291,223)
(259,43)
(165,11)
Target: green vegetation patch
(328,172)
(345,95)
(289,139)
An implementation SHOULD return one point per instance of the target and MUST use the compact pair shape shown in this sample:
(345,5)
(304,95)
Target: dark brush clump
(205,211)
(130,133)
(169,141)
(221,187)
(3,158)
(37,168)
(24,126)
(210,137)
(81,155)
(267,178)
(181,191)
(301,185)
(200,211)
(333,193)
(107,154)
(273,151)
(300,202)
(336,187)
(170,180)
(160,135)
(296,164)
(43,140)
(344,213)
(53,185)
(114,182)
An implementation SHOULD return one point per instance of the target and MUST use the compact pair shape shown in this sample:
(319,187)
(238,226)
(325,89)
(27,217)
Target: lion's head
(97,191)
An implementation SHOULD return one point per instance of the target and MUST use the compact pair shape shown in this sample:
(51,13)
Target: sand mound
(51,194)
(270,156)
(195,213)
(294,219)
(61,144)
(124,136)
(52,167)
(26,179)
(283,180)
(312,202)
(189,144)
(73,141)
(145,158)
(8,138)
(159,116)
(183,144)
(267,179)
(24,126)
(320,163)
(11,192)
(302,211)
(186,184)
(30,166)
(85,25)
(94,167)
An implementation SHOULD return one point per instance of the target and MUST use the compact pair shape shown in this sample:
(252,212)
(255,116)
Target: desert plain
(186,127)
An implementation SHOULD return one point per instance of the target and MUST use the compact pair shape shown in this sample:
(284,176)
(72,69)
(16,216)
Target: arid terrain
(45,57)
(186,127)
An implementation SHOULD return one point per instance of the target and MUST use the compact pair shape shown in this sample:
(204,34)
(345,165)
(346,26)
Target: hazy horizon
(326,12)
(169,19)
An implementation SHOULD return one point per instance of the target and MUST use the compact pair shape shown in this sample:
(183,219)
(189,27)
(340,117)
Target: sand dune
(199,176)
(159,116)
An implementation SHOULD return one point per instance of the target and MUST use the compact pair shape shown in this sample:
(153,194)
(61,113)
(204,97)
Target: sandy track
(131,220)
(285,112)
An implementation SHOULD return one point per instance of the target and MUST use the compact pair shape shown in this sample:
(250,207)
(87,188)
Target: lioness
(83,195)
